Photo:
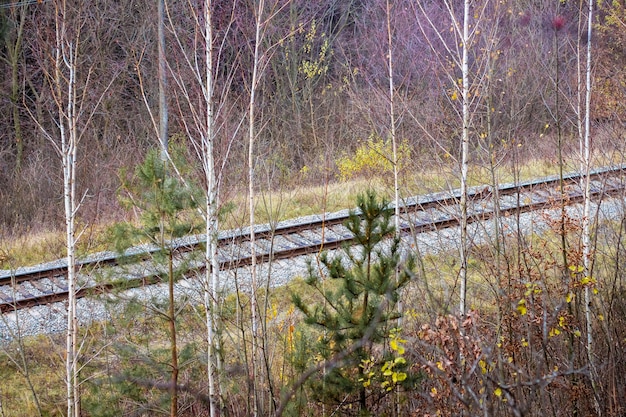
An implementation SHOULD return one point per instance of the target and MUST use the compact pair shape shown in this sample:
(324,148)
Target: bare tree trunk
(163,114)
(14,50)
(394,148)
(70,107)
(392,120)
(200,123)
(65,79)
(212,226)
(173,345)
(586,232)
(464,37)
(464,253)
(65,57)
(251,198)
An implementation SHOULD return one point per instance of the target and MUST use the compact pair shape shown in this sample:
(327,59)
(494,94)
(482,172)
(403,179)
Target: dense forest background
(322,94)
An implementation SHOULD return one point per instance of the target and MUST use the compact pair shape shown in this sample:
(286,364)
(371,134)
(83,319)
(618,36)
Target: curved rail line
(40,285)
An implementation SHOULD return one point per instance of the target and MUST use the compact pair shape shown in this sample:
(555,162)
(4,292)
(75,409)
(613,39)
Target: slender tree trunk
(464,252)
(173,344)
(586,233)
(392,120)
(163,140)
(65,89)
(212,226)
(251,162)
(394,146)
(163,110)
(585,168)
(14,51)
(557,25)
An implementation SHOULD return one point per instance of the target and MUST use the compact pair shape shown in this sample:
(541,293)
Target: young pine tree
(165,206)
(358,303)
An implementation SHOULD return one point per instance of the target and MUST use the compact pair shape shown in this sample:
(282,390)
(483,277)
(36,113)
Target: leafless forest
(145,121)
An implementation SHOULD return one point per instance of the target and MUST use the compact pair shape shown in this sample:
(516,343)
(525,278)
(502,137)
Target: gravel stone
(52,318)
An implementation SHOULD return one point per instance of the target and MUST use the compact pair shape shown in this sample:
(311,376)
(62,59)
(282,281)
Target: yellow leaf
(521,307)
(483,366)
(570,296)
(454,95)
(497,392)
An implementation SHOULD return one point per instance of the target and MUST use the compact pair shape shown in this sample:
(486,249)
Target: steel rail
(421,204)
(265,231)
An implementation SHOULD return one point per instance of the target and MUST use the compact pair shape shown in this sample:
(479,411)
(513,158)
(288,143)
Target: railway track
(45,284)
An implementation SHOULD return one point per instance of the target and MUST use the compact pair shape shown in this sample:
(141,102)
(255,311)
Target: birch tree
(63,84)
(201,104)
(392,118)
(162,75)
(464,248)
(585,168)
(259,9)
(457,52)
(75,101)
(261,53)
(64,89)
(211,220)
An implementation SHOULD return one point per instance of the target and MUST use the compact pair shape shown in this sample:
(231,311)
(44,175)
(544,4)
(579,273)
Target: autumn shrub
(524,353)
(373,157)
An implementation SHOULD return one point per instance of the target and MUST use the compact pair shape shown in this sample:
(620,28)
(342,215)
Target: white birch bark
(201,127)
(70,106)
(461,61)
(585,178)
(65,90)
(212,226)
(586,221)
(464,244)
(392,121)
(162,67)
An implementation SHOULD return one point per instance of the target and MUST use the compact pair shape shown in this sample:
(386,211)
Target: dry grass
(295,200)
(432,295)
